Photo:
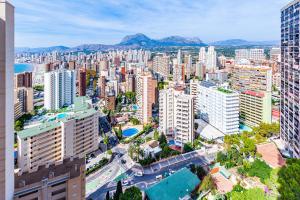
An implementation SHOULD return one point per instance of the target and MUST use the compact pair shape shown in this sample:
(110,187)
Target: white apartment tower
(6,100)
(60,88)
(211,59)
(202,55)
(176,116)
(219,107)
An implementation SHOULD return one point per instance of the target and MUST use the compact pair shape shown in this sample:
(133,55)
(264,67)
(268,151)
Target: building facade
(63,180)
(73,133)
(145,95)
(176,115)
(218,107)
(60,88)
(6,100)
(82,82)
(290,72)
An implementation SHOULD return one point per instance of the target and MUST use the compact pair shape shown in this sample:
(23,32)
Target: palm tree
(106,141)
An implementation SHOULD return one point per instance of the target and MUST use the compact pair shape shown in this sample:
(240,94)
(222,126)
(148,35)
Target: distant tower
(179,60)
(211,59)
(202,55)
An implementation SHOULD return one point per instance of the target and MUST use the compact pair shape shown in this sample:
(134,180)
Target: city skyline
(101,22)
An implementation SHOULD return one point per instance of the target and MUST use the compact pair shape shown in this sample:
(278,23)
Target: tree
(162,140)
(289,180)
(156,135)
(18,125)
(119,191)
(188,147)
(106,141)
(132,193)
(107,196)
(207,183)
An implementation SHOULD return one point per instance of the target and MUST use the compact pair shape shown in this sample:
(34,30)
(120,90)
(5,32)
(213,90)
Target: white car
(138,174)
(158,177)
(125,182)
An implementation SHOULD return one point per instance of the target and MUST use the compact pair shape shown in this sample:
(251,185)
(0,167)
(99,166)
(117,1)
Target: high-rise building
(6,100)
(211,59)
(202,55)
(188,66)
(145,94)
(255,55)
(218,107)
(290,72)
(255,107)
(60,88)
(23,80)
(161,65)
(275,54)
(250,77)
(101,86)
(82,82)
(23,101)
(73,133)
(176,115)
(65,180)
(130,83)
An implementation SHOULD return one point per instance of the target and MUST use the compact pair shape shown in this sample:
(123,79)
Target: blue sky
(74,22)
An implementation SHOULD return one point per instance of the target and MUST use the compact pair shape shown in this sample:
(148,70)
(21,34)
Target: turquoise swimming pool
(130,132)
(61,115)
(135,107)
(244,128)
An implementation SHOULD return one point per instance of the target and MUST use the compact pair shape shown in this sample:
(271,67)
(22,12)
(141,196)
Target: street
(150,173)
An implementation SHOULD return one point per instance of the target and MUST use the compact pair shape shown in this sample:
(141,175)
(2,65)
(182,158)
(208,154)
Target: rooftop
(270,155)
(176,186)
(80,109)
(224,90)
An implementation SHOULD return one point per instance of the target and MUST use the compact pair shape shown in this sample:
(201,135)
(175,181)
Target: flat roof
(80,109)
(207,131)
(176,186)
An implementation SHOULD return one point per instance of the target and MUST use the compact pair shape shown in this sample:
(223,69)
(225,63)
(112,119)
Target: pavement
(199,157)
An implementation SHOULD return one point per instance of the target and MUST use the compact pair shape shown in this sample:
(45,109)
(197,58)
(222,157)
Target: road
(149,178)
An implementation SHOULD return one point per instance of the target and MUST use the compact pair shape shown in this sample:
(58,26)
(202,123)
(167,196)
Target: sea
(23,67)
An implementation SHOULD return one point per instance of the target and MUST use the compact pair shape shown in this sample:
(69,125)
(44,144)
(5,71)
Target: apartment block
(290,72)
(145,94)
(60,136)
(161,65)
(255,107)
(219,107)
(62,180)
(23,80)
(82,82)
(23,101)
(255,55)
(60,88)
(176,115)
(251,77)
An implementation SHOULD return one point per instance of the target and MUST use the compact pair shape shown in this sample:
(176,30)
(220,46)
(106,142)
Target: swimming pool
(171,142)
(61,115)
(135,107)
(244,128)
(130,132)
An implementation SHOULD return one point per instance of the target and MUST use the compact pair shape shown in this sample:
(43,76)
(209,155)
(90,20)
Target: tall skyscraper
(6,100)
(290,71)
(60,88)
(211,59)
(202,55)
(23,80)
(161,65)
(145,94)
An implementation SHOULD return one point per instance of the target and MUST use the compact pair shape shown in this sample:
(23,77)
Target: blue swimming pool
(171,142)
(135,107)
(244,128)
(61,115)
(130,132)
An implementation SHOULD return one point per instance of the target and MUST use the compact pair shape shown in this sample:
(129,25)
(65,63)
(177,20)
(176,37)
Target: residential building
(255,55)
(211,59)
(110,101)
(130,83)
(101,86)
(161,65)
(202,55)
(176,115)
(73,133)
(290,71)
(251,77)
(60,88)
(6,100)
(275,54)
(23,100)
(62,180)
(255,107)
(82,82)
(145,95)
(218,107)
(23,80)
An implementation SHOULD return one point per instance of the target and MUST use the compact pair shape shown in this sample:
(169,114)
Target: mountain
(240,42)
(138,39)
(181,41)
(40,49)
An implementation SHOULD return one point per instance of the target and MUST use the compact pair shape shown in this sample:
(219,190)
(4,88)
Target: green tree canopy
(132,193)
